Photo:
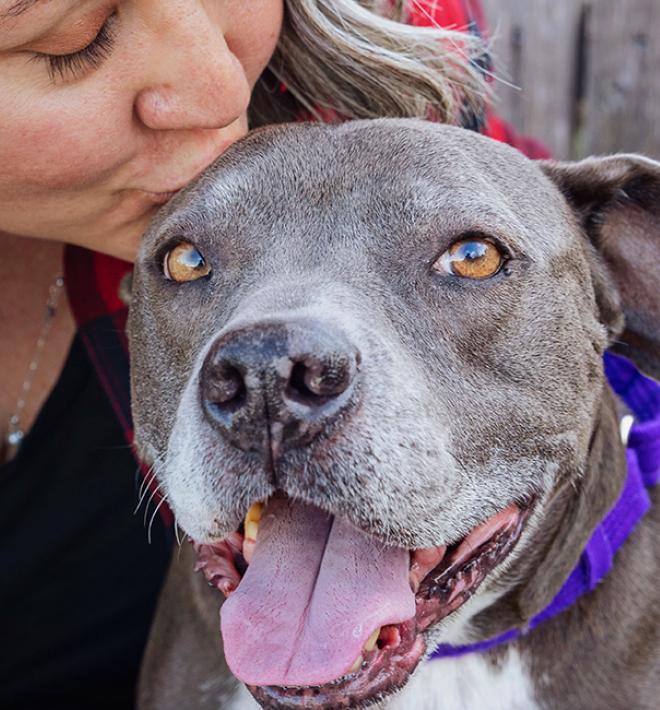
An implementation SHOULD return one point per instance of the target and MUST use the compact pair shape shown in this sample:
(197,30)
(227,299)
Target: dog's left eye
(185,263)
(471,258)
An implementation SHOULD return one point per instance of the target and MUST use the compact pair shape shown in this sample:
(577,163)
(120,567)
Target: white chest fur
(468,682)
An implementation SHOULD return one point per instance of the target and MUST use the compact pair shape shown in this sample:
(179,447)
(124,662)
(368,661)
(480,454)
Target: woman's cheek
(253,32)
(66,144)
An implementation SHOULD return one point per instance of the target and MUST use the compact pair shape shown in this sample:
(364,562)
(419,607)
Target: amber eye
(185,263)
(474,258)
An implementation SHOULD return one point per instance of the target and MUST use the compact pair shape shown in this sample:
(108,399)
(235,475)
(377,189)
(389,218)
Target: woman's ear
(617,202)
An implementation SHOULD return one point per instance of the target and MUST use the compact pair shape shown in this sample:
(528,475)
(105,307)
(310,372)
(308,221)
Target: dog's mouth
(322,615)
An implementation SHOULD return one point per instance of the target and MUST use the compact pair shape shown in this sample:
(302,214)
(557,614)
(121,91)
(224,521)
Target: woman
(108,108)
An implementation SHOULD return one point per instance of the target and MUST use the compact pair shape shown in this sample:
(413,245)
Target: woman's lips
(160,197)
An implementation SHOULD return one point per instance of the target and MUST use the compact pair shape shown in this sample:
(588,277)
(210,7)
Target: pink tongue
(315,590)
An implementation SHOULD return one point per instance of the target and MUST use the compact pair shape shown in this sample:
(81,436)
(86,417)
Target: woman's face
(106,106)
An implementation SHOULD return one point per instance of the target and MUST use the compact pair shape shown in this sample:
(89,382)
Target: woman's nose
(195,80)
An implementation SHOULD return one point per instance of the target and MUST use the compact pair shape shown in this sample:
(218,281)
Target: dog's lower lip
(349,690)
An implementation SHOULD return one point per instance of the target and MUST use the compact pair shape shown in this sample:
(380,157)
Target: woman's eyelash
(67,66)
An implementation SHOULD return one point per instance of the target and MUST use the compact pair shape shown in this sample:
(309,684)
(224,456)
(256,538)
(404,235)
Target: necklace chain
(15,434)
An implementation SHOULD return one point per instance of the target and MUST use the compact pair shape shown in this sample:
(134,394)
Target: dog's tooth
(371,641)
(252,519)
(248,549)
(357,665)
(251,529)
(254,513)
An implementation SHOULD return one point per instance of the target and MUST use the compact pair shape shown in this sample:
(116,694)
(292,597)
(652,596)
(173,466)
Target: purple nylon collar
(642,396)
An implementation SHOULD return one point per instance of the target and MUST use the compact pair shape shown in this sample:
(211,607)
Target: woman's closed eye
(73,65)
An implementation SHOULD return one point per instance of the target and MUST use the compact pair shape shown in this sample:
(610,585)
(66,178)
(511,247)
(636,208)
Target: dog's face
(392,333)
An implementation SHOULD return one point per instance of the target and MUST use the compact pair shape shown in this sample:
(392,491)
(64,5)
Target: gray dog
(368,370)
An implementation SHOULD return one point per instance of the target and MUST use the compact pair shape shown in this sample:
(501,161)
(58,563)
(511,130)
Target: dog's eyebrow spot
(175,227)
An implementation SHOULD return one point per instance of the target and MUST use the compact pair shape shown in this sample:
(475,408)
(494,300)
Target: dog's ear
(617,202)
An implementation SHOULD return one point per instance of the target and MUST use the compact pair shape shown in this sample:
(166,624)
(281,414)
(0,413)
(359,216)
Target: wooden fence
(587,72)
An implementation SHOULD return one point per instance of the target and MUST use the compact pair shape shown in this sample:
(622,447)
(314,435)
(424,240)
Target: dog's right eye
(471,258)
(185,263)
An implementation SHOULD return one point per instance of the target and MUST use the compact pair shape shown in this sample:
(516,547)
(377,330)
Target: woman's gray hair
(342,59)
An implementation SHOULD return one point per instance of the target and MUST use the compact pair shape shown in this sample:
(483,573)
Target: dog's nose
(271,386)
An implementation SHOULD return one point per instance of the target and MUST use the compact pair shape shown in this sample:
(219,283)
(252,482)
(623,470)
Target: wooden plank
(535,46)
(622,105)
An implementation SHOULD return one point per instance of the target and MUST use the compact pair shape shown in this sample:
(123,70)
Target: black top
(78,579)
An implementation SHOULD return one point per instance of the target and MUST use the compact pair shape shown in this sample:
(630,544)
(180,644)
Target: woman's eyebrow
(19,7)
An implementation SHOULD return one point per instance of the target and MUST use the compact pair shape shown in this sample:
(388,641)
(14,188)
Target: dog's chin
(340,623)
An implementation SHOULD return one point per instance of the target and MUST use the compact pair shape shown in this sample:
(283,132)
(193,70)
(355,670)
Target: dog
(367,369)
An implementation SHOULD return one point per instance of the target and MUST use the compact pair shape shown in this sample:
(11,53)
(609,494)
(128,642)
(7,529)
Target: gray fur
(472,394)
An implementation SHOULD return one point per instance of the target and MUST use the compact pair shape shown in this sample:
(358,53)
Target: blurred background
(588,72)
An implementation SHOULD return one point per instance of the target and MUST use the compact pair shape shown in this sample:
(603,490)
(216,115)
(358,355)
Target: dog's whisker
(146,487)
(147,482)
(153,516)
(153,495)
(145,478)
(149,477)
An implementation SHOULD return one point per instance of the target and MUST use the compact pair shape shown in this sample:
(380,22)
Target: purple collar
(642,396)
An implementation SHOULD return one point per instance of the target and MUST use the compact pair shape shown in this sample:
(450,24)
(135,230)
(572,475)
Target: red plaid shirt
(93,280)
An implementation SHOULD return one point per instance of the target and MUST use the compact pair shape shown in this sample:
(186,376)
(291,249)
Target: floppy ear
(617,201)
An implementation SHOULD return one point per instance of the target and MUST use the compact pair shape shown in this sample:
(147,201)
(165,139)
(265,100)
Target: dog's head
(391,333)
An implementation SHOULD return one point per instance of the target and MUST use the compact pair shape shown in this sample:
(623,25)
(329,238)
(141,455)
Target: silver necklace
(15,434)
